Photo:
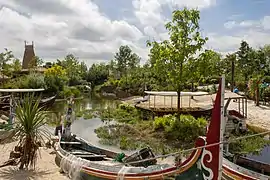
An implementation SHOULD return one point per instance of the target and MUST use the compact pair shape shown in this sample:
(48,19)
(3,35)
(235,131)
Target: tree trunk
(178,103)
(257,94)
(232,78)
(192,89)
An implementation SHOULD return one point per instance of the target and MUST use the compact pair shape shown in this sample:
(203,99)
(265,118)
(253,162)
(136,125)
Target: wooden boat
(84,161)
(46,103)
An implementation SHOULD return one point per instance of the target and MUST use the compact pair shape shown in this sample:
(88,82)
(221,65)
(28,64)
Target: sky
(93,30)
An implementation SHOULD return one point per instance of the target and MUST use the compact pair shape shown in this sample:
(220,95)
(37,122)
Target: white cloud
(230,24)
(230,43)
(85,30)
(59,27)
(200,4)
(263,23)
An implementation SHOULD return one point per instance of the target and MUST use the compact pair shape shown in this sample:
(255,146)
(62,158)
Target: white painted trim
(222,126)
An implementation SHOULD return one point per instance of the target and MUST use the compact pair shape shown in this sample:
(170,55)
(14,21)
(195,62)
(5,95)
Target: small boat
(46,103)
(82,160)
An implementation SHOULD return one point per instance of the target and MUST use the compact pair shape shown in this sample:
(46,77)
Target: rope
(201,147)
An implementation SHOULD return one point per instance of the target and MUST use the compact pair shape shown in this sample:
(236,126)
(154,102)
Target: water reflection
(91,102)
(264,156)
(86,128)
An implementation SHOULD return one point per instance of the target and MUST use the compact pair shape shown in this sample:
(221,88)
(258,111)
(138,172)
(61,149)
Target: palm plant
(30,119)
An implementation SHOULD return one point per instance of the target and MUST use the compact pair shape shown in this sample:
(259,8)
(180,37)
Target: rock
(3,121)
(3,117)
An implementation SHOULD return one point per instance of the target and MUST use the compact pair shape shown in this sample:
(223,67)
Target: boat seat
(64,142)
(81,153)
(90,156)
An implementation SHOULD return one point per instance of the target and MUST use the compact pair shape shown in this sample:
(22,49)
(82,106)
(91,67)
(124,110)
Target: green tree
(229,68)
(97,74)
(185,41)
(16,65)
(126,60)
(206,66)
(259,69)
(73,69)
(83,70)
(55,78)
(244,61)
(5,58)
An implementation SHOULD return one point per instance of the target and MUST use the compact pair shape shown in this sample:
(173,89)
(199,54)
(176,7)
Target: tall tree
(229,68)
(73,68)
(185,41)
(244,61)
(5,58)
(16,65)
(126,60)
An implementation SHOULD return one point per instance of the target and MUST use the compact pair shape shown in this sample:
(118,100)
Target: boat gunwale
(190,161)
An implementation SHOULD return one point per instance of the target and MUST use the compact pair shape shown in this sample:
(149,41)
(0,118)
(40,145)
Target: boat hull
(189,169)
(45,103)
(185,171)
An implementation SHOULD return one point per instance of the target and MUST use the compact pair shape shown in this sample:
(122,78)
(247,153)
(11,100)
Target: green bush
(69,91)
(185,129)
(241,85)
(266,79)
(124,113)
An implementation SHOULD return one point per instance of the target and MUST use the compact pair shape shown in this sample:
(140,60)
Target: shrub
(241,85)
(185,129)
(266,79)
(69,91)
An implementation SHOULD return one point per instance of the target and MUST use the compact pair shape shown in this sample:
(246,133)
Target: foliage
(30,119)
(97,74)
(252,145)
(36,62)
(55,78)
(187,129)
(124,114)
(69,91)
(74,70)
(5,58)
(126,60)
(33,81)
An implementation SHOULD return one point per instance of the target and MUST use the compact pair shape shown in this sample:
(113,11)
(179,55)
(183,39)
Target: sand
(46,168)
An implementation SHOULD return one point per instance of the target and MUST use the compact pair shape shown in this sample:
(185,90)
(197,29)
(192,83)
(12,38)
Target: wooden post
(243,108)
(154,101)
(171,102)
(246,107)
(239,106)
(164,103)
(149,101)
(232,78)
(181,101)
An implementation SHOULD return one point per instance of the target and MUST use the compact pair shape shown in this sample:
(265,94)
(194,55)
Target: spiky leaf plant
(29,128)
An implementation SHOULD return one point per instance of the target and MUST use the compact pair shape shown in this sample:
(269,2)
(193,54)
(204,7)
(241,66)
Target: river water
(85,128)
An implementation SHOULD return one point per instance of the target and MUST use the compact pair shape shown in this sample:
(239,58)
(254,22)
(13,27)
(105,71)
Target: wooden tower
(29,56)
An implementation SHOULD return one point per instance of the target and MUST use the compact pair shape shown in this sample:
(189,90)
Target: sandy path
(46,168)
(258,116)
